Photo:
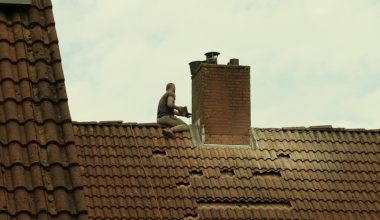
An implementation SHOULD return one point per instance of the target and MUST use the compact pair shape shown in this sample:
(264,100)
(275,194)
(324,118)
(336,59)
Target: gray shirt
(163,108)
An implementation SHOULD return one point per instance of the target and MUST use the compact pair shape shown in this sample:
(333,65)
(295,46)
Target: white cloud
(313,62)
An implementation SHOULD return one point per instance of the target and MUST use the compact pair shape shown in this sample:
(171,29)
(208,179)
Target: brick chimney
(221,101)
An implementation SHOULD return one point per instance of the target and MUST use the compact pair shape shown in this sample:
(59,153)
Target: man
(167,110)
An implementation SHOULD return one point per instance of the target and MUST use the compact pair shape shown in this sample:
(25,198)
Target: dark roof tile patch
(131,171)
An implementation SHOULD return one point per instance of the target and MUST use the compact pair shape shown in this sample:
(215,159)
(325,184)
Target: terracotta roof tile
(40,173)
(299,176)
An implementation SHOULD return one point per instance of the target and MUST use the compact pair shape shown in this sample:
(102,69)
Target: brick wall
(221,103)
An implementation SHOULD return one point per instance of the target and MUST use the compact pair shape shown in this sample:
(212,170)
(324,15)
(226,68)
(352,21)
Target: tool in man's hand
(184,112)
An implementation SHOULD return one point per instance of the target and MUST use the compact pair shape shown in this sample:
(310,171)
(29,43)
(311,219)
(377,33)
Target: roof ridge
(154,124)
(117,122)
(321,128)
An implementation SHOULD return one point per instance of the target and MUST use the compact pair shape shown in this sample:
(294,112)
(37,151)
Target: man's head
(170,87)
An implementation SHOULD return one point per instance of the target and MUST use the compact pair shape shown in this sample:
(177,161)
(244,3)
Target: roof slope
(39,171)
(132,172)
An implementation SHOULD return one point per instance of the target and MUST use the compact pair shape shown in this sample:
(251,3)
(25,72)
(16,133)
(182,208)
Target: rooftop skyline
(312,62)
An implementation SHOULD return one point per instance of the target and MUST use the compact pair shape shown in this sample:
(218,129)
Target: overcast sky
(312,62)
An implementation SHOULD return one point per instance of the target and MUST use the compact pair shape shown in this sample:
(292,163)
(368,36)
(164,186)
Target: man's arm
(171,103)
(177,109)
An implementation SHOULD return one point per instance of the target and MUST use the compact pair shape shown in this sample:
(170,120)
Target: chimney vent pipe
(234,62)
(212,57)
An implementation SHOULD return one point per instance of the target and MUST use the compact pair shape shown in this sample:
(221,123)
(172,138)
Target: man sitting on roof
(167,110)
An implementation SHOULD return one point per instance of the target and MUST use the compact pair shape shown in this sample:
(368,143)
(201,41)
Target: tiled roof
(40,175)
(132,172)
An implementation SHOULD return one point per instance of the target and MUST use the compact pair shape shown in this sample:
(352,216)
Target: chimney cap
(194,66)
(212,54)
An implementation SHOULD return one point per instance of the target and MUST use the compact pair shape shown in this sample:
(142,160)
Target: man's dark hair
(169,85)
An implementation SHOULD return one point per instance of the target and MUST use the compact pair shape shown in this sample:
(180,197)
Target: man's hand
(176,112)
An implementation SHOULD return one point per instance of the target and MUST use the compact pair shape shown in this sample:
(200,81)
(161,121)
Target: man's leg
(166,121)
(175,123)
(180,125)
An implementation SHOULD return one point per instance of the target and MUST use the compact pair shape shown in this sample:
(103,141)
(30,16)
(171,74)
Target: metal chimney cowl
(212,57)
